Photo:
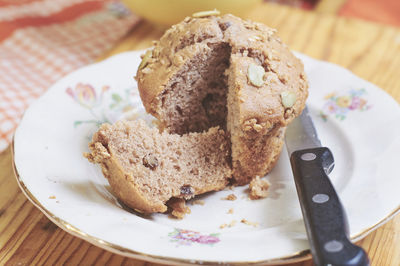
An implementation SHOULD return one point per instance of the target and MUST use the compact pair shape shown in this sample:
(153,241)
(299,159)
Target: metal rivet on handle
(308,156)
(320,198)
(333,246)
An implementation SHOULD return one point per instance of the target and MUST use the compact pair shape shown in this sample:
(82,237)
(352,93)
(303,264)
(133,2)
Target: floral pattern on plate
(340,105)
(187,237)
(93,100)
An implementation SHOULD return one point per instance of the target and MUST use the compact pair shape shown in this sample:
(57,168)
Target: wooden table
(371,51)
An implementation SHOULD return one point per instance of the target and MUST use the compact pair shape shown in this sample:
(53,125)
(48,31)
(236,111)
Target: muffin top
(271,80)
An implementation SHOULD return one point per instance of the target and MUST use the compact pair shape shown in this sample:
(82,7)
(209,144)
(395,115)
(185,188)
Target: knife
(324,216)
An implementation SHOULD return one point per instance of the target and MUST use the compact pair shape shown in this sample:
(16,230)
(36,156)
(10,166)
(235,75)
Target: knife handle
(324,216)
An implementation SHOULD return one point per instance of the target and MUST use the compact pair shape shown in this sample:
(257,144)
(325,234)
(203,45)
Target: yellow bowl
(168,12)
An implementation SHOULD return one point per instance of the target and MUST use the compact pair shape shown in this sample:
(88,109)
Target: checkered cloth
(42,40)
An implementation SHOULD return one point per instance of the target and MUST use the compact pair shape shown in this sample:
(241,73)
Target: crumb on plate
(198,202)
(231,224)
(230,197)
(244,221)
(258,188)
(179,208)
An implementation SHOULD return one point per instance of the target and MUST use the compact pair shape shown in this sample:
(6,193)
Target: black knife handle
(324,216)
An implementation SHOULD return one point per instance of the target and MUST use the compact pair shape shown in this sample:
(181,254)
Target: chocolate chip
(179,110)
(224,26)
(150,161)
(186,190)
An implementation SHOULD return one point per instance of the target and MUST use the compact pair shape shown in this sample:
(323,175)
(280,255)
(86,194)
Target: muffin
(222,71)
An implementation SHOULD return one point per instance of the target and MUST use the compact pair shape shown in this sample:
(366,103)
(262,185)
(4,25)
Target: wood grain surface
(371,51)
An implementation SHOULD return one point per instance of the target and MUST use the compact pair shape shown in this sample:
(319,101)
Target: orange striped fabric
(42,40)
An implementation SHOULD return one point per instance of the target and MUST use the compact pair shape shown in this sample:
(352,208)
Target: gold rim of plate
(293,258)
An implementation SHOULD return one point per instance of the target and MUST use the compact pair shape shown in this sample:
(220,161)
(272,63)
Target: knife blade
(324,216)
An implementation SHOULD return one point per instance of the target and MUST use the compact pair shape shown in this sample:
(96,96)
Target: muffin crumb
(179,208)
(198,202)
(244,221)
(258,188)
(231,197)
(231,224)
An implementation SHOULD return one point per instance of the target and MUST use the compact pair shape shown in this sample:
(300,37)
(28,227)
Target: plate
(357,120)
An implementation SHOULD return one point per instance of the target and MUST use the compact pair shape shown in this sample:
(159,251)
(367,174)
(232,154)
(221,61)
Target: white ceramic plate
(358,121)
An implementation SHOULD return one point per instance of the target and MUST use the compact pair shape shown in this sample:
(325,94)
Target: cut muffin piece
(227,72)
(256,119)
(146,168)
